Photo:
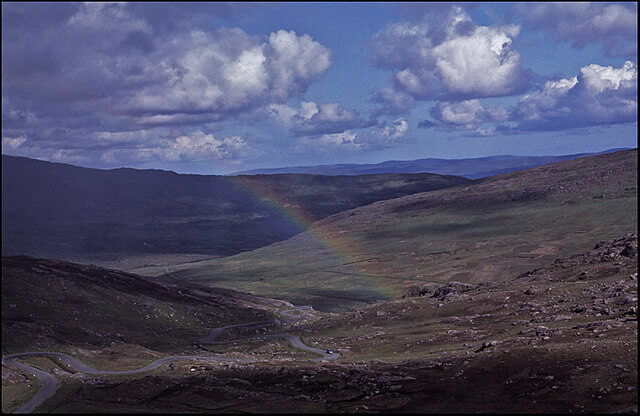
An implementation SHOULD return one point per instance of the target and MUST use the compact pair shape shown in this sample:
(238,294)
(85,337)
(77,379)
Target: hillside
(72,213)
(558,339)
(54,304)
(488,231)
(472,168)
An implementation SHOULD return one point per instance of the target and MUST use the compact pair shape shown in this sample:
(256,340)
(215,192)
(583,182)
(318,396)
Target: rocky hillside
(561,338)
(53,304)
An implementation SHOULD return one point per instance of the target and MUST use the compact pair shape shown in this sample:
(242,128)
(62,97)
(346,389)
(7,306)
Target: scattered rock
(486,345)
(417,291)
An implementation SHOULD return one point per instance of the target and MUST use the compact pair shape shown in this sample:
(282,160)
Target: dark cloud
(426,124)
(612,25)
(138,41)
(392,102)
(171,17)
(72,73)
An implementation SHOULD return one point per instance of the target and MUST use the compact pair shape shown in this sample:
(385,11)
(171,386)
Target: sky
(216,88)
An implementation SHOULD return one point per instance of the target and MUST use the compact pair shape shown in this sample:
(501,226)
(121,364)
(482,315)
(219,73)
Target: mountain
(489,230)
(73,213)
(502,296)
(470,168)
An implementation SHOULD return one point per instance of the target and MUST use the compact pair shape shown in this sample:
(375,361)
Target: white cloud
(281,113)
(195,146)
(338,138)
(228,71)
(11,143)
(598,95)
(201,146)
(390,135)
(468,115)
(314,119)
(345,141)
(598,78)
(481,64)
(462,61)
(293,63)
(106,16)
(307,110)
(395,130)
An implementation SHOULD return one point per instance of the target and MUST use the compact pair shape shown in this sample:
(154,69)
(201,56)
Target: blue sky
(222,87)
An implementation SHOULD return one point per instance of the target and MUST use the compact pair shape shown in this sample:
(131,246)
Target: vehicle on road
(329,351)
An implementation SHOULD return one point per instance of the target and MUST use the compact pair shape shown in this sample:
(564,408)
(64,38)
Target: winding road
(50,383)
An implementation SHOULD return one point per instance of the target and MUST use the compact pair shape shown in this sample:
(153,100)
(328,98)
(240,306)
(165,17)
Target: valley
(130,218)
(319,208)
(513,293)
(490,230)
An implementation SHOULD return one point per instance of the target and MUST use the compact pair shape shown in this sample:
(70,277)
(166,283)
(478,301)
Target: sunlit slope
(490,230)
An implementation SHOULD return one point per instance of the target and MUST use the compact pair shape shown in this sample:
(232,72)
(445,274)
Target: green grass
(15,395)
(485,232)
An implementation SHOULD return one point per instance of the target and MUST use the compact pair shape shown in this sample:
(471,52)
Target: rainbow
(340,245)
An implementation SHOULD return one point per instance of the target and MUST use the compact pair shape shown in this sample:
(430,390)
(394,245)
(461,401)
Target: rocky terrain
(54,304)
(559,338)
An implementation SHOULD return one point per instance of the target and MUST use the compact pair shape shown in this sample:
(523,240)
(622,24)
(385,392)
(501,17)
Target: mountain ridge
(472,168)
(73,213)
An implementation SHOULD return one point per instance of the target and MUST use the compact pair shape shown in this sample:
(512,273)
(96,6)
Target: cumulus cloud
(386,136)
(597,95)
(314,119)
(392,102)
(467,115)
(452,58)
(201,146)
(72,70)
(471,117)
(229,71)
(613,26)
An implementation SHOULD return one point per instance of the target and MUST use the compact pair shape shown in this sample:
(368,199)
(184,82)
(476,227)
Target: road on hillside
(50,383)
(48,389)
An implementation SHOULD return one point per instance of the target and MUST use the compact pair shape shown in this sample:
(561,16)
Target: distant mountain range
(72,213)
(469,168)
